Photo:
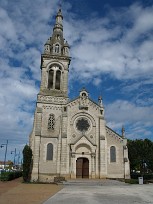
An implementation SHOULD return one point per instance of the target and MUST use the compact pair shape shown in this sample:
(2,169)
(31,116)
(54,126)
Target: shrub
(145,176)
(27,161)
(8,176)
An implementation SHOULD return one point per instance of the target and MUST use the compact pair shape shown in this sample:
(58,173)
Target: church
(70,138)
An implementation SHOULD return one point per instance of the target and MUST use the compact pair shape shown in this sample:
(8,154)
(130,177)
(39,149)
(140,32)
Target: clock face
(82,125)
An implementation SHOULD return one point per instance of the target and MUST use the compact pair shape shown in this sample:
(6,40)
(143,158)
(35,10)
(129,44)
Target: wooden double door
(82,168)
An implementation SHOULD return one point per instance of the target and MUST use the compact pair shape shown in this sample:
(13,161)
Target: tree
(27,162)
(141,155)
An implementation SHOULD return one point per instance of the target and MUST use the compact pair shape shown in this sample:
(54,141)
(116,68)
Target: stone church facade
(70,138)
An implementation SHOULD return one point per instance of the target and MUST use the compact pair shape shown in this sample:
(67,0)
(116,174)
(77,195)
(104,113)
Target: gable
(83,104)
(83,144)
(113,135)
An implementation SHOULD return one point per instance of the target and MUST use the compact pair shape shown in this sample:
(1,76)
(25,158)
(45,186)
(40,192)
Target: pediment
(83,103)
(83,139)
(83,144)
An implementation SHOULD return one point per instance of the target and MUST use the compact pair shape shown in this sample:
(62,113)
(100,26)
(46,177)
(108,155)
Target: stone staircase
(92,182)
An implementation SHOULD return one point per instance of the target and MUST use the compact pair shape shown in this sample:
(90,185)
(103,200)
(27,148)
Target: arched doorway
(82,168)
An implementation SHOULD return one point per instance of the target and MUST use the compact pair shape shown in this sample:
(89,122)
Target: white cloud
(24,29)
(128,112)
(117,44)
(138,119)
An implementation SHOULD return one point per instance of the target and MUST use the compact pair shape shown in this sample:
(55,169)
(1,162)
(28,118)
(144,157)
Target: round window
(82,124)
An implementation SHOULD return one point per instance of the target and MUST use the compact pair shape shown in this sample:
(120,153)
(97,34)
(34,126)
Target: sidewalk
(16,192)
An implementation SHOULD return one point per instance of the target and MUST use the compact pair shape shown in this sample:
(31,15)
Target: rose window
(82,125)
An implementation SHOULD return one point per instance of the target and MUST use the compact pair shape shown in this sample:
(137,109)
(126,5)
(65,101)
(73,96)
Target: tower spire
(60,4)
(123,132)
(58,23)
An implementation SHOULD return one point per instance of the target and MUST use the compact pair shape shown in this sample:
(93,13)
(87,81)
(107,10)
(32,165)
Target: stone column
(126,161)
(73,175)
(93,165)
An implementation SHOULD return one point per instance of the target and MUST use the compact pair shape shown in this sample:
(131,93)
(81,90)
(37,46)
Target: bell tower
(55,62)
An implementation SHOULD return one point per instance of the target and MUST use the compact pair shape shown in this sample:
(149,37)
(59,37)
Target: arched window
(112,154)
(49,155)
(58,79)
(50,79)
(54,77)
(51,122)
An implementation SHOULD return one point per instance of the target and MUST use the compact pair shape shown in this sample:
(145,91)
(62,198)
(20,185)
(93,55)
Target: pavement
(75,192)
(102,192)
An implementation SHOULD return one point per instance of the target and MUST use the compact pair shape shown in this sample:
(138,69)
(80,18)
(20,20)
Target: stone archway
(82,168)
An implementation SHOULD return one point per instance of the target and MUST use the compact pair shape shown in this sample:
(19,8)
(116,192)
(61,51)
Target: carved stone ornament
(73,155)
(93,155)
(83,102)
(50,99)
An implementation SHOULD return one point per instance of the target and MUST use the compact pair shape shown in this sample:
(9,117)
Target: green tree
(141,155)
(27,162)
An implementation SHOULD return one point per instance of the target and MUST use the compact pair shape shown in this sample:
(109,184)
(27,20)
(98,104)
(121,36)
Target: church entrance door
(82,168)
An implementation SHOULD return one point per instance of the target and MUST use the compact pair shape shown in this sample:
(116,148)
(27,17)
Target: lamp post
(2,145)
(14,155)
(18,157)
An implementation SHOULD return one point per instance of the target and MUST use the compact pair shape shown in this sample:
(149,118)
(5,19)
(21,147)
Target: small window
(51,122)
(101,112)
(65,109)
(112,154)
(49,155)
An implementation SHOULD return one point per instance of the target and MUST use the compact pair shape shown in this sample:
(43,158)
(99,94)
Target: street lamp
(18,157)
(14,155)
(2,145)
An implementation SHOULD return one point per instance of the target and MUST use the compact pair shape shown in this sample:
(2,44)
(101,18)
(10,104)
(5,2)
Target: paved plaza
(106,192)
(75,192)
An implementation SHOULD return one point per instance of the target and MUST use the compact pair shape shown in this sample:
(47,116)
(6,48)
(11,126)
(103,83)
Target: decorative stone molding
(39,110)
(73,154)
(51,99)
(113,134)
(51,107)
(125,147)
(125,160)
(64,135)
(93,155)
(73,135)
(102,137)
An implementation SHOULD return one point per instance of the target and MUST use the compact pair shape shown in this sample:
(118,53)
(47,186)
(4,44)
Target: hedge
(145,176)
(8,176)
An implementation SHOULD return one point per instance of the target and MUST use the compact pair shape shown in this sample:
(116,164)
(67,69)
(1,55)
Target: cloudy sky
(112,55)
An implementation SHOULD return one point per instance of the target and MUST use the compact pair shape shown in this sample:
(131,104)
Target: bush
(145,176)
(131,181)
(27,162)
(8,176)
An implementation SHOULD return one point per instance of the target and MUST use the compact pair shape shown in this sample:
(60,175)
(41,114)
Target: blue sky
(111,49)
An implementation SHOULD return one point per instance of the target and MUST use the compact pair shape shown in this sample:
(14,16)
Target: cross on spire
(60,4)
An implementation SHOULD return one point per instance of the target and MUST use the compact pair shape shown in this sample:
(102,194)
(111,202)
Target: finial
(100,101)
(60,5)
(123,132)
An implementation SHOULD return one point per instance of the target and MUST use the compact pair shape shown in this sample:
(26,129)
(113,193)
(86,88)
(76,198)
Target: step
(93,182)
